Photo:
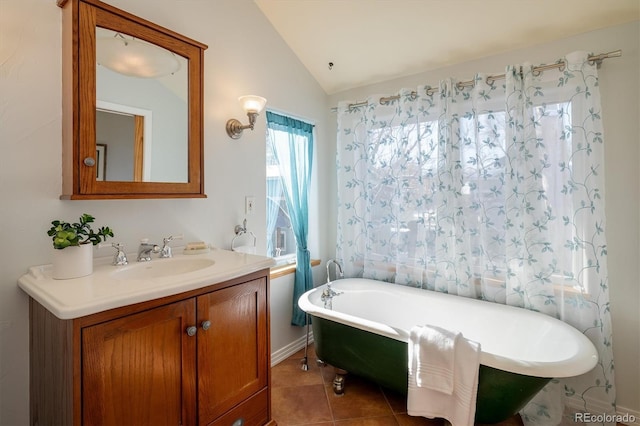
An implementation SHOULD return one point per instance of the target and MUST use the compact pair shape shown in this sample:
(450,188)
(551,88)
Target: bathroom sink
(161,268)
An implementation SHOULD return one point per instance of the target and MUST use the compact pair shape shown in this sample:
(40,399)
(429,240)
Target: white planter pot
(72,262)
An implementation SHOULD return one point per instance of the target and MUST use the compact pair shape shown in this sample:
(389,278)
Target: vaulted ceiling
(369,41)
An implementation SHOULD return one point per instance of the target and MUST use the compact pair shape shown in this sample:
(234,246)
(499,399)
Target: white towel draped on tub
(443,375)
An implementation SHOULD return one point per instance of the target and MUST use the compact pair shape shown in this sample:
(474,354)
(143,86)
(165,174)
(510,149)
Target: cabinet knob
(191,331)
(206,325)
(89,161)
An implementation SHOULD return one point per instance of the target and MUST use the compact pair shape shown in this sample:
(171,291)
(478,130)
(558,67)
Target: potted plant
(73,254)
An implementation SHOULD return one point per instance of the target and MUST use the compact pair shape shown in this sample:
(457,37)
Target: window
(281,243)
(410,223)
(287,183)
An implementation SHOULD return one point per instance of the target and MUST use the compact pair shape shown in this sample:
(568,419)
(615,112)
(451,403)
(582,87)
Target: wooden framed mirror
(132,99)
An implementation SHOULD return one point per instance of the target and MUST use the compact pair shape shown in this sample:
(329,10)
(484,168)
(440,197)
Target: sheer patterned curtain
(292,143)
(493,191)
(273,205)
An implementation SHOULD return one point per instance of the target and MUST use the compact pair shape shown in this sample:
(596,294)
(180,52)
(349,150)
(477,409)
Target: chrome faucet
(165,252)
(340,273)
(120,258)
(145,249)
(328,293)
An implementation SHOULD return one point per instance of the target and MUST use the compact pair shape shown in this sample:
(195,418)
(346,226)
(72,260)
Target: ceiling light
(135,58)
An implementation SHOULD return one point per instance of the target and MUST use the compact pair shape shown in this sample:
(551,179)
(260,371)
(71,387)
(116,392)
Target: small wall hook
(241,229)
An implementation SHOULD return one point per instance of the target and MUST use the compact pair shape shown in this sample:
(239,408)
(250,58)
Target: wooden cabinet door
(232,353)
(140,369)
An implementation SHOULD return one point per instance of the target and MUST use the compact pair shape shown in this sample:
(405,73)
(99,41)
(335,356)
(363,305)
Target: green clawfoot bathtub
(363,328)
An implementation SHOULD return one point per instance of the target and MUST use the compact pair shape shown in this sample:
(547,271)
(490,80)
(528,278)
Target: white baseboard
(625,416)
(636,415)
(281,354)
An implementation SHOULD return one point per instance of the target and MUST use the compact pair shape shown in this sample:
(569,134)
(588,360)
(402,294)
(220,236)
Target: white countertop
(103,290)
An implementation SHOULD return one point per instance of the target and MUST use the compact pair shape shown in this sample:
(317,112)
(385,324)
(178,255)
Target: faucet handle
(171,238)
(166,249)
(120,258)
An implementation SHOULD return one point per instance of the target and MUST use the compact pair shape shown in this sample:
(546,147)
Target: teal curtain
(494,191)
(292,143)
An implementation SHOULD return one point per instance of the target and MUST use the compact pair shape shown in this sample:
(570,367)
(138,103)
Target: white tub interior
(512,339)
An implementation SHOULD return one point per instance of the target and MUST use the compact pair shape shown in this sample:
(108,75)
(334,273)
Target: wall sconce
(252,105)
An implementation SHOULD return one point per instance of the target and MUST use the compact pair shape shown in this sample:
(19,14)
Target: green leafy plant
(65,234)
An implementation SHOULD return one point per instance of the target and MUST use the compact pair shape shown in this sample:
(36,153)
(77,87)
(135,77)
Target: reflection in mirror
(142,109)
(127,131)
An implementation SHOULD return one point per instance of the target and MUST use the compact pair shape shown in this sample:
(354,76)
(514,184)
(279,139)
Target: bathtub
(367,330)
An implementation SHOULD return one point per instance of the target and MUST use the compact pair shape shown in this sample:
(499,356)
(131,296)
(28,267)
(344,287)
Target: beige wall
(620,91)
(245,56)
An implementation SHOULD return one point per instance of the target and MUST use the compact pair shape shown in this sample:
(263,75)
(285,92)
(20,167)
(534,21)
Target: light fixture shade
(252,104)
(135,58)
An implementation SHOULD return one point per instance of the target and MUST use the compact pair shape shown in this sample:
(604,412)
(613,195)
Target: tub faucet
(340,273)
(327,296)
(328,293)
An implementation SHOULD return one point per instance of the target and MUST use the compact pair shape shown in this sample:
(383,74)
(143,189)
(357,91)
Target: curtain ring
(535,72)
(562,67)
(430,91)
(461,85)
(597,61)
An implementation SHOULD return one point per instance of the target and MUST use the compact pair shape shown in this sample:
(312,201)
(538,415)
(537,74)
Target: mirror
(125,100)
(132,119)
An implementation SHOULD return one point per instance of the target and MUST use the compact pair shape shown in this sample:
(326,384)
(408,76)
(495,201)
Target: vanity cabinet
(136,369)
(196,358)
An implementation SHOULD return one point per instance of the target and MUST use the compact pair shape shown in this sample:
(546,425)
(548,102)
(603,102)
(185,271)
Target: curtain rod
(595,59)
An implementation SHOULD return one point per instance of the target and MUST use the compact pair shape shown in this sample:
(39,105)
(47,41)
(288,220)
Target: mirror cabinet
(132,106)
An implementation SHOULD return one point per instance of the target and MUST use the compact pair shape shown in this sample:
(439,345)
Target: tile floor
(306,397)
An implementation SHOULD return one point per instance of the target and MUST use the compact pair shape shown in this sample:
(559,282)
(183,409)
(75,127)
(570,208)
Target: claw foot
(338,382)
